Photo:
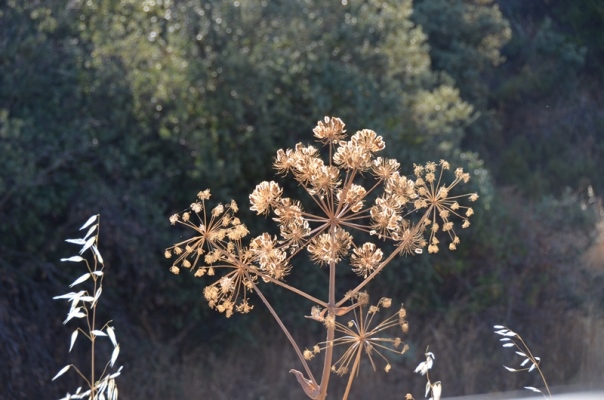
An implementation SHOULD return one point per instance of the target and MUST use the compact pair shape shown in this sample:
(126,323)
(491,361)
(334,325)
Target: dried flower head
(229,293)
(271,256)
(368,140)
(265,196)
(210,231)
(294,227)
(386,218)
(364,259)
(341,198)
(383,168)
(330,247)
(353,197)
(440,204)
(362,338)
(218,243)
(330,130)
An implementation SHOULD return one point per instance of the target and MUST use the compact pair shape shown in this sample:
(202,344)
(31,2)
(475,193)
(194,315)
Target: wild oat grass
(84,308)
(529,363)
(432,388)
(358,196)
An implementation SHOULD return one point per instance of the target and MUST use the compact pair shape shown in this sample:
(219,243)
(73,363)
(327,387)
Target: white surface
(528,395)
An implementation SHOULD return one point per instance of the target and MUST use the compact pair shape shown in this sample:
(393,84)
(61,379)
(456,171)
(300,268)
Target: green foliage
(226,80)
(585,20)
(548,62)
(466,38)
(130,107)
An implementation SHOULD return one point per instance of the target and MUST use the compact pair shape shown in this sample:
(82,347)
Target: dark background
(129,108)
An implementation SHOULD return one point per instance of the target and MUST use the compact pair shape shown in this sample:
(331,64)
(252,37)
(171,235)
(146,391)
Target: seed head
(360,337)
(435,196)
(265,196)
(364,259)
(330,247)
(330,130)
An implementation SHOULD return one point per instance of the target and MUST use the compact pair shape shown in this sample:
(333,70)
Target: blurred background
(128,108)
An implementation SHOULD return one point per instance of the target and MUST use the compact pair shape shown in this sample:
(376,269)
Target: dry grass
(469,361)
(591,337)
(83,312)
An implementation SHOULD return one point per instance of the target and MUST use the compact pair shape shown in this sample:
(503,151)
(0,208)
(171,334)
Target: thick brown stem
(331,315)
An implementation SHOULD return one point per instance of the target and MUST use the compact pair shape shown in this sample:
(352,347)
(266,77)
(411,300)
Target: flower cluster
(356,199)
(441,205)
(218,243)
(361,337)
(352,191)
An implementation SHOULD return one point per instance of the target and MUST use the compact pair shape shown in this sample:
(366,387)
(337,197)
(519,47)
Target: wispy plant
(83,307)
(433,388)
(529,362)
(357,195)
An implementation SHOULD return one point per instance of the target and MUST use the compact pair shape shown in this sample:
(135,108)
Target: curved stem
(535,363)
(284,329)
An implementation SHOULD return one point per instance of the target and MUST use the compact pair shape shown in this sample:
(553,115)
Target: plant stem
(328,350)
(535,363)
(352,372)
(285,331)
(291,288)
(331,306)
(92,340)
(95,278)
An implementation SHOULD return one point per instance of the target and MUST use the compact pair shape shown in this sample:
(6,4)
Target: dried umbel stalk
(360,337)
(358,194)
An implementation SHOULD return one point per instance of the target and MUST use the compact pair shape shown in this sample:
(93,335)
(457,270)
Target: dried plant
(83,307)
(435,389)
(530,362)
(358,195)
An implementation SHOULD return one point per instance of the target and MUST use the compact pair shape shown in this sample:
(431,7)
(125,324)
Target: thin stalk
(535,363)
(95,279)
(285,330)
(352,371)
(92,340)
(328,352)
(383,264)
(77,370)
(291,288)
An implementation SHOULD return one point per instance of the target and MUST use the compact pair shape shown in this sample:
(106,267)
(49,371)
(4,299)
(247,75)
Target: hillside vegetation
(128,109)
